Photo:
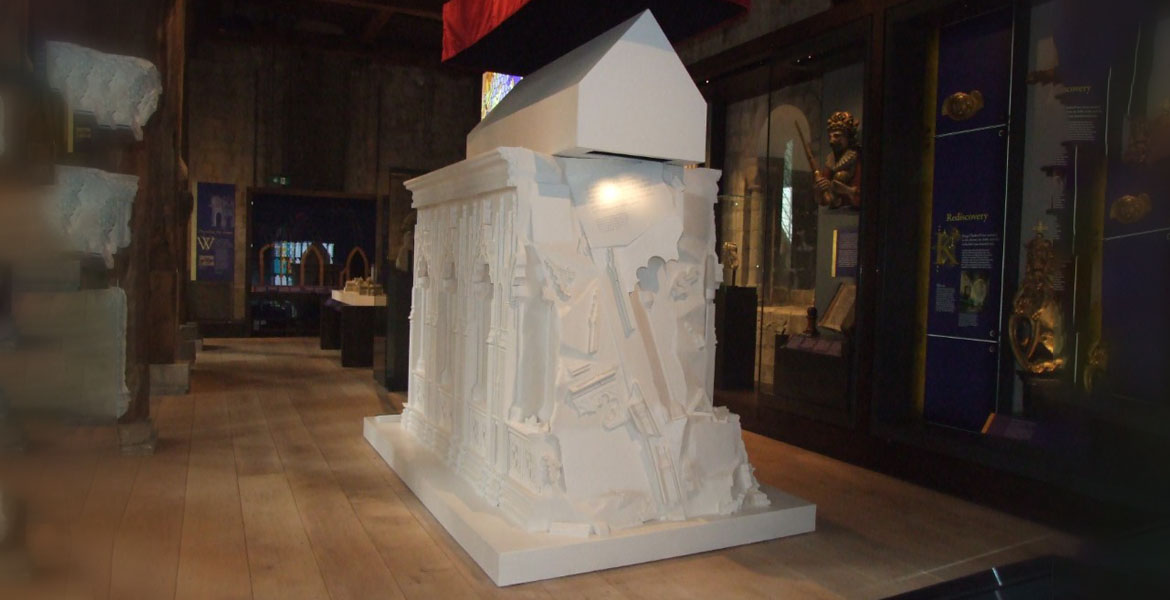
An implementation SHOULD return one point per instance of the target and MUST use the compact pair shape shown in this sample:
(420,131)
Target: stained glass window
(287,255)
(495,87)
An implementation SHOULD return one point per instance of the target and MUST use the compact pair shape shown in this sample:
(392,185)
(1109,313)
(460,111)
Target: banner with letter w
(215,232)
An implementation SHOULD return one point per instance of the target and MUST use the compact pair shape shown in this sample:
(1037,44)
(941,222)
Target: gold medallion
(1129,209)
(961,106)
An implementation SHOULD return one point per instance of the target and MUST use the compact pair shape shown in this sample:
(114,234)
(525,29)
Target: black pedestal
(358,324)
(398,286)
(735,332)
(380,359)
(330,325)
(1045,397)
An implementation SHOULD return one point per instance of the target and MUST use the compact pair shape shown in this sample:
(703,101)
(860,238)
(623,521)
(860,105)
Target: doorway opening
(302,246)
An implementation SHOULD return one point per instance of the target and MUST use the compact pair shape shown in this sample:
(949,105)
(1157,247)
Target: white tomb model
(560,414)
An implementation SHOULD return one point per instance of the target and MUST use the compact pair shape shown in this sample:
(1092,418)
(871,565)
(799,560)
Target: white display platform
(356,299)
(510,555)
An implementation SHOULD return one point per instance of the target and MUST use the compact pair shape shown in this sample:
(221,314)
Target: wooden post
(136,432)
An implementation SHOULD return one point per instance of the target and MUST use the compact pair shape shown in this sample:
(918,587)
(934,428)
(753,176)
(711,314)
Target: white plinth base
(510,555)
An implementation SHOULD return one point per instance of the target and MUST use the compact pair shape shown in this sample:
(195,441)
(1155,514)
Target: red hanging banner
(466,21)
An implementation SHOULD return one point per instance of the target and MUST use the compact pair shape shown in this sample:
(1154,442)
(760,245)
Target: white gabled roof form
(625,92)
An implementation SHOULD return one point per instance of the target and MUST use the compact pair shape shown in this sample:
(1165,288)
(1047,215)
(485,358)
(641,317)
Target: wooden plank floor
(262,487)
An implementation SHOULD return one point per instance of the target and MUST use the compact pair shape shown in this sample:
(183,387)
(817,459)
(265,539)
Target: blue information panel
(962,349)
(967,235)
(845,252)
(966,287)
(960,382)
(215,232)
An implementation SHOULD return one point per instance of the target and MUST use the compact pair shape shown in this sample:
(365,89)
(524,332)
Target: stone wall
(338,122)
(328,121)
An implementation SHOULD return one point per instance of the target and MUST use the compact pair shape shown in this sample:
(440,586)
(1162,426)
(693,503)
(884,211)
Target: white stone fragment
(120,91)
(78,365)
(90,210)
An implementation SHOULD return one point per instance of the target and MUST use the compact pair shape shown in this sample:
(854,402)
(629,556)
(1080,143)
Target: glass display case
(1026,228)
(790,201)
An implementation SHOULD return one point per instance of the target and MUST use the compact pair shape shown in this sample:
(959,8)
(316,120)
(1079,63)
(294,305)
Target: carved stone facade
(562,340)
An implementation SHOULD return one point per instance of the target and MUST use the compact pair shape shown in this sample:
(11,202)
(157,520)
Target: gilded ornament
(1098,363)
(731,255)
(731,259)
(1138,151)
(1036,327)
(1149,138)
(945,254)
(1130,209)
(961,106)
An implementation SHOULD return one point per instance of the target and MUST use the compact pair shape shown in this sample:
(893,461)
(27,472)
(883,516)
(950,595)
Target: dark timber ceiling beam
(375,26)
(414,8)
(367,24)
(388,54)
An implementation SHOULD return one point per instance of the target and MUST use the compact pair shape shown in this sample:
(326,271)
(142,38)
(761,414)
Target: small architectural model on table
(562,330)
(361,291)
(363,286)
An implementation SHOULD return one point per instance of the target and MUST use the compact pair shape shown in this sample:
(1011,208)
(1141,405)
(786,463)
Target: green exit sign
(281,180)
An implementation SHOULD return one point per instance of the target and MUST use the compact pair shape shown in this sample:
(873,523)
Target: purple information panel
(845,252)
(215,232)
(967,225)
